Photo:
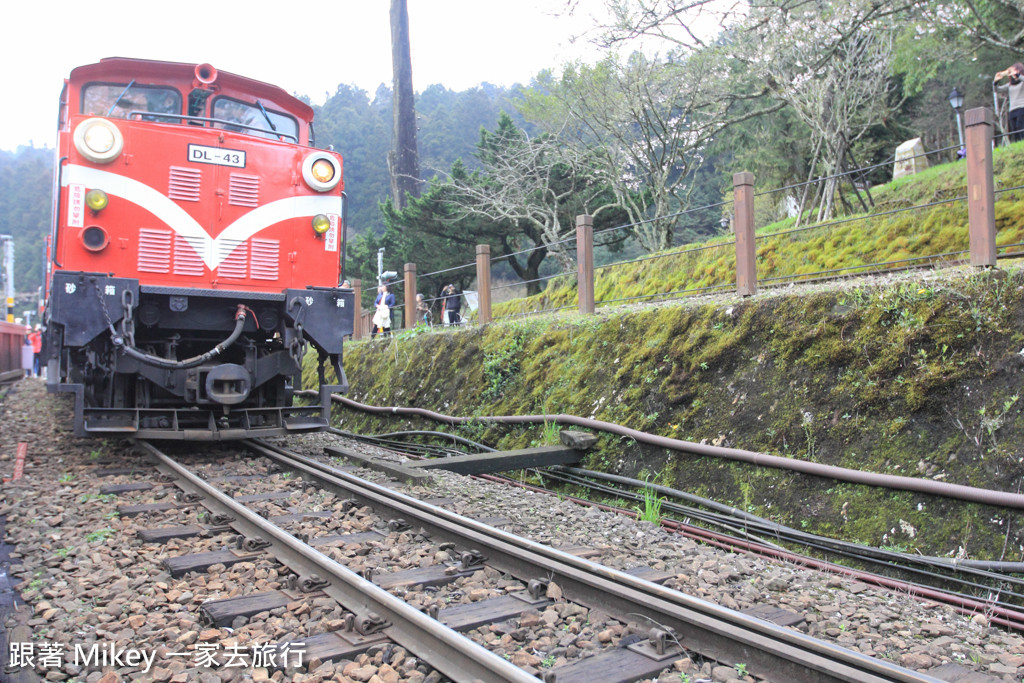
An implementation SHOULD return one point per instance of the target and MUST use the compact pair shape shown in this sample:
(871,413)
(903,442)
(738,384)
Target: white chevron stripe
(178,219)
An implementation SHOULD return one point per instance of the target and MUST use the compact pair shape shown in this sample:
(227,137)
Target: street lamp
(956,100)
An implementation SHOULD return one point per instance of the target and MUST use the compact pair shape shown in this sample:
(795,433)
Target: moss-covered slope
(889,234)
(918,377)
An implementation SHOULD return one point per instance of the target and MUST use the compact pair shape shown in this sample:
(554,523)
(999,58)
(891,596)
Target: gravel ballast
(89,581)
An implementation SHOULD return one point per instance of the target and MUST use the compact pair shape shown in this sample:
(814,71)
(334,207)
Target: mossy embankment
(920,376)
(923,215)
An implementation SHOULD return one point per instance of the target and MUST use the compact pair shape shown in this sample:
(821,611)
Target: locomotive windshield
(257,119)
(118,100)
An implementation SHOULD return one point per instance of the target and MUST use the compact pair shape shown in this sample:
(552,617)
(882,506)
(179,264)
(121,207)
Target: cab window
(118,100)
(252,119)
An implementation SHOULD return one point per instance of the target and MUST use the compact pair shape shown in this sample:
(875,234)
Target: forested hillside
(359,126)
(26,176)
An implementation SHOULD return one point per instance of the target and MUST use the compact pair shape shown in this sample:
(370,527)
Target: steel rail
(444,649)
(707,628)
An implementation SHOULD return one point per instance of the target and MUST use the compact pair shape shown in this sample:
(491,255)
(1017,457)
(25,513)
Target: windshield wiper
(119,97)
(267,116)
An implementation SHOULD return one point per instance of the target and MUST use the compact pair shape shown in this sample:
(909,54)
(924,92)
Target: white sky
(307,48)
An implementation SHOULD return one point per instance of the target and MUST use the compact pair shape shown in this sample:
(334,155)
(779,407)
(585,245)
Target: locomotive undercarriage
(186,364)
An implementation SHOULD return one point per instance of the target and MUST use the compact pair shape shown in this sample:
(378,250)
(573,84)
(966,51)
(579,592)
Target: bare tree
(689,25)
(834,75)
(829,61)
(540,181)
(649,121)
(403,160)
(999,23)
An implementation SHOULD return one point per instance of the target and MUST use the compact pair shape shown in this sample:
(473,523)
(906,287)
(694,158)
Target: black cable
(159,362)
(727,516)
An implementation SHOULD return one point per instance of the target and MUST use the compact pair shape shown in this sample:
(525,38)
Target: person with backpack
(451,304)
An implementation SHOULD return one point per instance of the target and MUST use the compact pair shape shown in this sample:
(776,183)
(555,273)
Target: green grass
(651,510)
(843,243)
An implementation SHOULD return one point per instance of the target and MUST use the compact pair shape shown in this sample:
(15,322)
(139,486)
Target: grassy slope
(919,377)
(936,230)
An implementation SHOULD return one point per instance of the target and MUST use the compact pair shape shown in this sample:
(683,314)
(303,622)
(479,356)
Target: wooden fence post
(483,282)
(410,296)
(746,253)
(585,262)
(357,314)
(981,217)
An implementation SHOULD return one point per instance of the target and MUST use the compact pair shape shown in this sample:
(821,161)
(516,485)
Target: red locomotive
(197,246)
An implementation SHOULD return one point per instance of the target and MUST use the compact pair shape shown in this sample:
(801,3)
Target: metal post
(746,253)
(585,262)
(357,315)
(410,296)
(483,281)
(981,219)
(959,128)
(8,275)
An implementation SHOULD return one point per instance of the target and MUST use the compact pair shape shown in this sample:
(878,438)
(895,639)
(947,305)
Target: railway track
(388,600)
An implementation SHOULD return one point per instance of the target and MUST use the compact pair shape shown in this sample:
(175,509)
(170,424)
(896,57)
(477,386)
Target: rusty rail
(704,627)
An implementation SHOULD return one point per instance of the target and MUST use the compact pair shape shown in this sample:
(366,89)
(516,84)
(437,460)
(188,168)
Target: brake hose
(159,362)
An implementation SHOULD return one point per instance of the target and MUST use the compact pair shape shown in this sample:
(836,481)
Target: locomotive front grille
(161,251)
(265,258)
(186,255)
(154,251)
(244,190)
(184,184)
(234,258)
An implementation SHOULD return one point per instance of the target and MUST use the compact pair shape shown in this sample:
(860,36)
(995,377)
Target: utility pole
(403,160)
(382,274)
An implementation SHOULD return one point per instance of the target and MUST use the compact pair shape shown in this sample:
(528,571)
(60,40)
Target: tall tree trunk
(403,160)
(807,186)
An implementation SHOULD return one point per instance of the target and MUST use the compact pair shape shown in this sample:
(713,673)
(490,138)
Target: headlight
(321,224)
(98,140)
(321,171)
(96,199)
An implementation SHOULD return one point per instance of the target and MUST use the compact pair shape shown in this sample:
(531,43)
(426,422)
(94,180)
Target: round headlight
(96,199)
(98,140)
(321,224)
(94,238)
(321,171)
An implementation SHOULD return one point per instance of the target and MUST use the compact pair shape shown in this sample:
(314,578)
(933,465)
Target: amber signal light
(96,200)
